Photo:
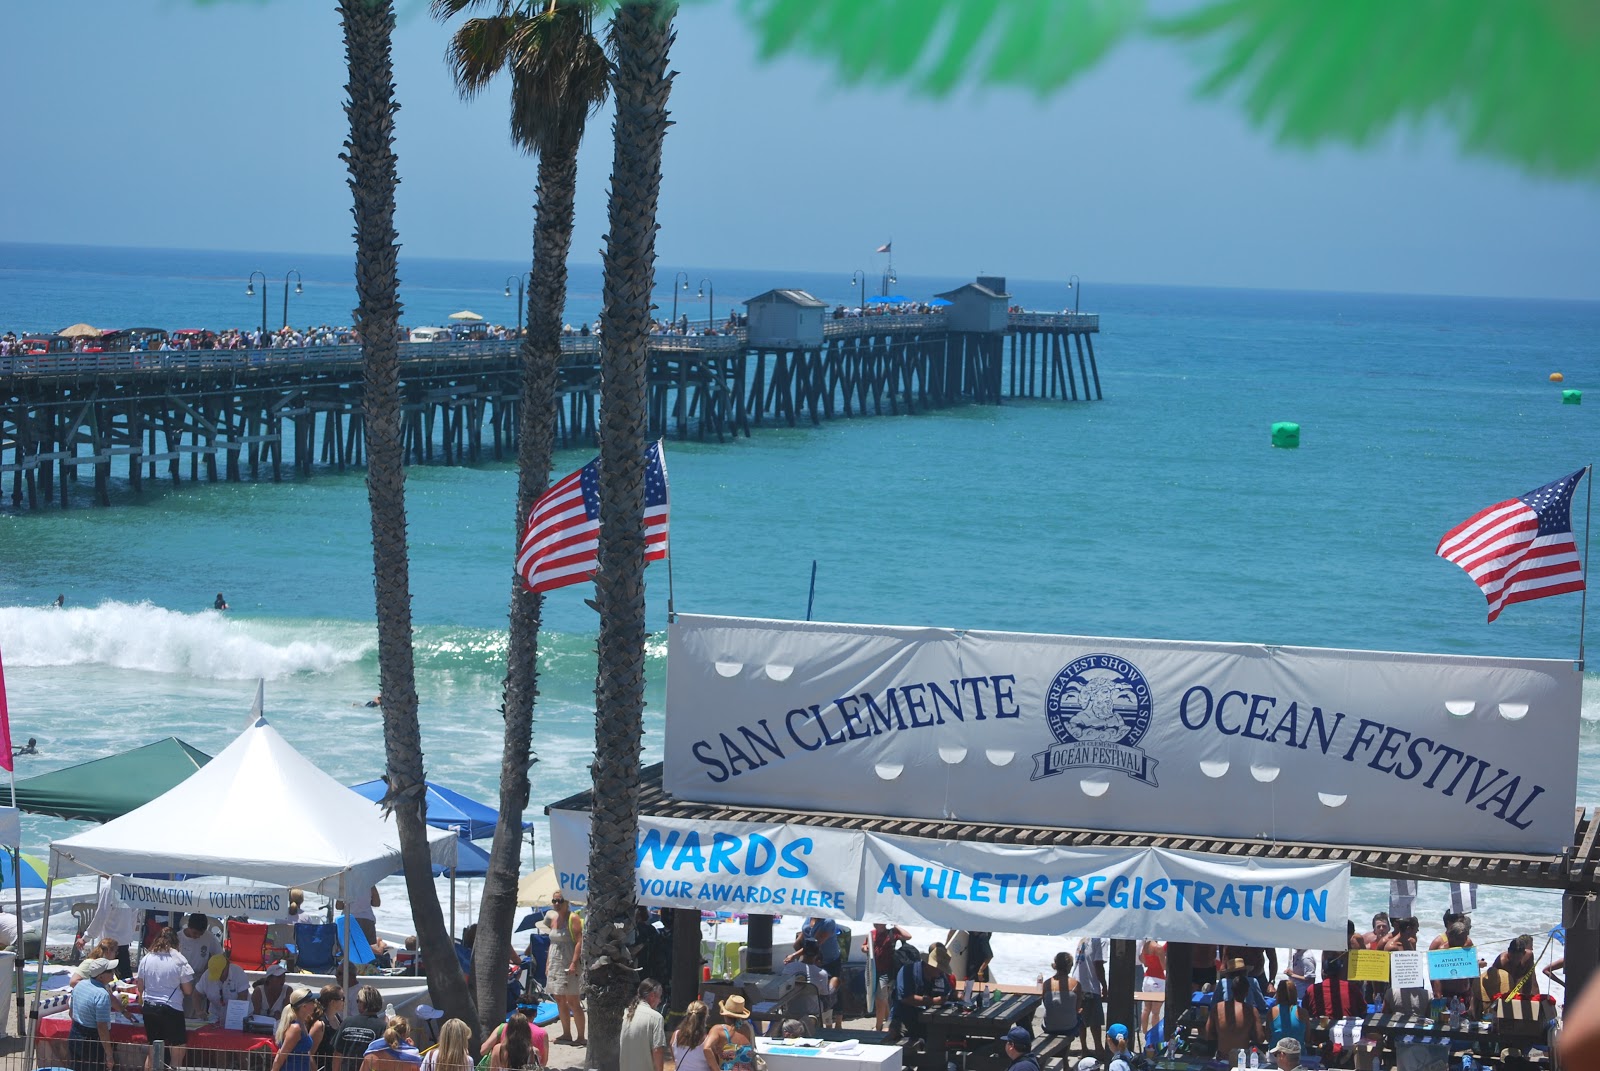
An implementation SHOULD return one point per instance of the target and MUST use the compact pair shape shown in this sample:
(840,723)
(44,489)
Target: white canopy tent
(214,823)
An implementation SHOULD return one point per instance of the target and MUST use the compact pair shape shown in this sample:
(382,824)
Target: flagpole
(1583,603)
(22,945)
(661,448)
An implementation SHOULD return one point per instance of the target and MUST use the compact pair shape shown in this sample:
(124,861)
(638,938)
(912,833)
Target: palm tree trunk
(368,25)
(541,357)
(641,35)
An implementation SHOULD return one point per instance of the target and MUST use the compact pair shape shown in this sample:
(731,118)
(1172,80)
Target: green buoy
(1571,397)
(1286,434)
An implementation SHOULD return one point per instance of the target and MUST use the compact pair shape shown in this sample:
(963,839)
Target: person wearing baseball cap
(1287,1053)
(1019,1050)
(90,1040)
(1117,1046)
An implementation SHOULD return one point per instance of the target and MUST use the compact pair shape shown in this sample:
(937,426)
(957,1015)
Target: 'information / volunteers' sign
(1112,892)
(261,901)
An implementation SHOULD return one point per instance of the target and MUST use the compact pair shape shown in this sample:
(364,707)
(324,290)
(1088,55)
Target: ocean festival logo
(1098,709)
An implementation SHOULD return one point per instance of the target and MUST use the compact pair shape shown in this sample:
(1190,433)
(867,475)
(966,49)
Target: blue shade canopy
(33,872)
(447,809)
(940,302)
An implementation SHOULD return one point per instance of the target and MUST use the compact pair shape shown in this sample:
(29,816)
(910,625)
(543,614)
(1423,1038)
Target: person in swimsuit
(730,1045)
(299,1032)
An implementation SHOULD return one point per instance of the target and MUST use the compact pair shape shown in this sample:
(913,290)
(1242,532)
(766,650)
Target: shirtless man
(1375,937)
(1443,940)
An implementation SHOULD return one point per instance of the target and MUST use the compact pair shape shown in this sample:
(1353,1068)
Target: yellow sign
(1367,965)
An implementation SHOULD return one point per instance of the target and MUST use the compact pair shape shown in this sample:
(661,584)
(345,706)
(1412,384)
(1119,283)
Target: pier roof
(1577,868)
(973,288)
(789,297)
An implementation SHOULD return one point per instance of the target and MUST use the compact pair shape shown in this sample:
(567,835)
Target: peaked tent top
(260,811)
(109,787)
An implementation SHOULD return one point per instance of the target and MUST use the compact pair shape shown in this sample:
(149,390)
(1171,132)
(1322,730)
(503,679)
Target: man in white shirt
(1090,971)
(221,983)
(643,1045)
(809,968)
(197,944)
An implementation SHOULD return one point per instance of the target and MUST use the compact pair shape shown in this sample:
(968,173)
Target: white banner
(1221,740)
(257,901)
(1107,892)
(726,866)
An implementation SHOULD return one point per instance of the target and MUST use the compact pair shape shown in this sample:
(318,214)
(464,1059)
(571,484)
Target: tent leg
(38,976)
(452,901)
(344,960)
(16,876)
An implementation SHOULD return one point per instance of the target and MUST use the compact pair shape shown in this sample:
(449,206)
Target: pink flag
(5,726)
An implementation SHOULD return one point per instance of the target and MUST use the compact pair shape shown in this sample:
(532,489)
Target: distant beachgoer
(220,603)
(60,603)
(376,701)
(30,748)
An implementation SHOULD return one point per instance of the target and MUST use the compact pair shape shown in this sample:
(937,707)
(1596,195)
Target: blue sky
(218,126)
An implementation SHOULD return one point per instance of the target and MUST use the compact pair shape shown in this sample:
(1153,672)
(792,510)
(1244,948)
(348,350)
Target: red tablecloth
(58,1027)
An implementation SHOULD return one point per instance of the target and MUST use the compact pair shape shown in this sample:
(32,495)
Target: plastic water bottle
(388,1011)
(1238,1059)
(1466,1061)
(1255,1056)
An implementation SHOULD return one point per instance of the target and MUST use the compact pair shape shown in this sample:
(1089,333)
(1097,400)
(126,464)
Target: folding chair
(316,946)
(247,944)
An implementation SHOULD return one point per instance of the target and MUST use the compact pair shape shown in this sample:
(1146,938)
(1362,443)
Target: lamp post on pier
(685,277)
(1076,286)
(298,289)
(859,276)
(250,291)
(525,277)
(711,306)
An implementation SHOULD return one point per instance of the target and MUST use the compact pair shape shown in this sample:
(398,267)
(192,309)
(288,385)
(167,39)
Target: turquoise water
(1161,511)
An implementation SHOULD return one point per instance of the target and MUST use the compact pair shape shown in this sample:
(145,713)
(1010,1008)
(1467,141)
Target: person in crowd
(1403,936)
(1519,966)
(1260,963)
(880,945)
(117,922)
(452,1053)
(643,1043)
(291,914)
(330,1013)
(825,932)
(688,1041)
(1087,1063)
(512,1044)
(363,904)
(105,948)
(917,987)
(164,979)
(652,951)
(1238,981)
(1233,1023)
(809,969)
(565,968)
(1459,935)
(198,944)
(1019,1050)
(793,1028)
(1202,966)
(359,1030)
(1557,964)
(1302,971)
(1091,975)
(1117,1048)
(1060,994)
(730,1044)
(1334,997)
(221,983)
(393,1051)
(1450,919)
(1284,1021)
(268,993)
(89,1044)
(1153,957)
(538,1037)
(1286,1053)
(1375,937)
(299,1032)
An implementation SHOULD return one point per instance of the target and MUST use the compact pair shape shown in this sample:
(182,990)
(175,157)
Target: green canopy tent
(103,789)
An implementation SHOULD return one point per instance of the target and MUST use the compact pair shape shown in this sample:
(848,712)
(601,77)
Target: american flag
(1520,549)
(884,248)
(561,543)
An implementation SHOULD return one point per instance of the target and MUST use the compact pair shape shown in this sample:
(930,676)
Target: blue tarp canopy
(447,809)
(940,302)
(889,299)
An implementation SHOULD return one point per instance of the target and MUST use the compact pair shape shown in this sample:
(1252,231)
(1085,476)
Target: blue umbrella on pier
(940,302)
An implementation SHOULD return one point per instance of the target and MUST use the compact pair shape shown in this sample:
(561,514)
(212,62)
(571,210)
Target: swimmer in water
(30,748)
(221,603)
(60,603)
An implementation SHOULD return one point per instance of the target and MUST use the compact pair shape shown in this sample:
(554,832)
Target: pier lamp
(525,277)
(250,291)
(859,276)
(711,307)
(1076,286)
(685,277)
(298,289)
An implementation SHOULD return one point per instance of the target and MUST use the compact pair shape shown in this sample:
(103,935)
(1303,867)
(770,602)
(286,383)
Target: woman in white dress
(564,970)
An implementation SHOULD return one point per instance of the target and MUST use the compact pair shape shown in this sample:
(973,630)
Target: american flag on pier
(561,543)
(1520,549)
(884,248)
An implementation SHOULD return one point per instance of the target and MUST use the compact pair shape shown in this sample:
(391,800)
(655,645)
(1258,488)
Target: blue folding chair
(353,940)
(317,946)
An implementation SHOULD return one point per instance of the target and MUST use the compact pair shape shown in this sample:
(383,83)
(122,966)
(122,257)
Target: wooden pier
(234,414)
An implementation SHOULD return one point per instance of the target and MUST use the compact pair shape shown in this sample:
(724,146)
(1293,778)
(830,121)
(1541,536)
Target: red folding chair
(247,944)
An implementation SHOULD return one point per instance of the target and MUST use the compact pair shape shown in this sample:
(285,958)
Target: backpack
(905,953)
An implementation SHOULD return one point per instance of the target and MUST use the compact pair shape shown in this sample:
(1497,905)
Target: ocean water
(1161,511)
